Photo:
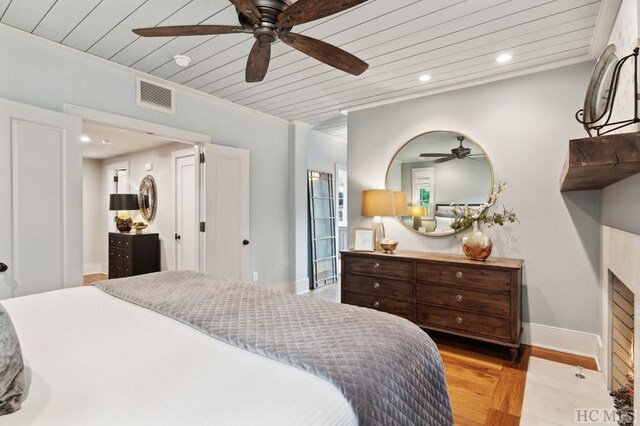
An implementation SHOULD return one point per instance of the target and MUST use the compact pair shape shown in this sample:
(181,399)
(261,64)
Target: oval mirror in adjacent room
(434,170)
(147,197)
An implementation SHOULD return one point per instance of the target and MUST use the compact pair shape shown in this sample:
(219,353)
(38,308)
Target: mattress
(92,359)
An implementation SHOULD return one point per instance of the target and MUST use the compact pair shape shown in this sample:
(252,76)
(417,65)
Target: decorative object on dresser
(133,254)
(148,198)
(450,161)
(123,202)
(363,239)
(475,244)
(377,203)
(439,291)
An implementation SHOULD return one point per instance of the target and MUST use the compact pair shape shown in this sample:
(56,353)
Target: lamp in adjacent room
(377,203)
(120,202)
(417,212)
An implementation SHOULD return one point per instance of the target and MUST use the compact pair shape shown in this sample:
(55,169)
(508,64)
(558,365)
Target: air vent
(155,96)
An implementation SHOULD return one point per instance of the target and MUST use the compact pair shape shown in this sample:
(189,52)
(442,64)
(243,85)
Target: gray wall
(524,125)
(47,75)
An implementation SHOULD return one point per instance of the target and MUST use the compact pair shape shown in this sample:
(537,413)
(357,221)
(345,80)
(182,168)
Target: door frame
(199,140)
(175,155)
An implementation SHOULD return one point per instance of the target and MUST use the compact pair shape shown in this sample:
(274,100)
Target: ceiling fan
(459,153)
(270,20)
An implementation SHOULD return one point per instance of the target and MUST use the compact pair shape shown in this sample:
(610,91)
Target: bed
(104,356)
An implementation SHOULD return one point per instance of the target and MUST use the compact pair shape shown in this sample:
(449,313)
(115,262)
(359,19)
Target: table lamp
(400,203)
(377,203)
(417,212)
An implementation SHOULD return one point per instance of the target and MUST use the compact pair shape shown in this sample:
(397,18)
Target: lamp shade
(377,202)
(123,202)
(417,211)
(400,203)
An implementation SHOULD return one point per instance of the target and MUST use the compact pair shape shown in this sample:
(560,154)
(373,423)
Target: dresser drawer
(458,298)
(127,269)
(378,286)
(473,278)
(379,267)
(126,242)
(463,322)
(126,255)
(385,304)
(113,253)
(115,240)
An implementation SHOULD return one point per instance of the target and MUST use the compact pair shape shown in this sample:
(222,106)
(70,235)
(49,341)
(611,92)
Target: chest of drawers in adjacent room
(133,254)
(444,292)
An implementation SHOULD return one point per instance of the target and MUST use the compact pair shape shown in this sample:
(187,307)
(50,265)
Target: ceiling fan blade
(309,10)
(258,62)
(188,30)
(434,155)
(325,52)
(445,159)
(248,8)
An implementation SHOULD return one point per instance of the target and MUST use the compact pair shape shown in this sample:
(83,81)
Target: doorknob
(245,242)
(3,267)
(178,236)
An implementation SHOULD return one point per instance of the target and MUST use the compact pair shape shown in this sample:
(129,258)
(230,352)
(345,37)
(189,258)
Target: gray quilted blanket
(388,369)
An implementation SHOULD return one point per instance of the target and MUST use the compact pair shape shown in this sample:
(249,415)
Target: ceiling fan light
(182,60)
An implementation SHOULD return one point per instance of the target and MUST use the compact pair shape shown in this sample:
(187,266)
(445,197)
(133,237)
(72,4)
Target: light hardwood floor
(89,279)
(484,387)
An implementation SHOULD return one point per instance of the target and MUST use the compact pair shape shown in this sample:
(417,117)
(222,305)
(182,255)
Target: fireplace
(621,346)
(622,305)
(621,282)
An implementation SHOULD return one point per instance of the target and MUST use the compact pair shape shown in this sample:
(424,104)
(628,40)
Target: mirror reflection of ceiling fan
(270,20)
(459,153)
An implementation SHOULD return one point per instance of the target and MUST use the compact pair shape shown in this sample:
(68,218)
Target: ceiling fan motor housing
(269,9)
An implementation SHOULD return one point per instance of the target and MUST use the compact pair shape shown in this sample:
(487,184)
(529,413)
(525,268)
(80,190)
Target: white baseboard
(94,268)
(563,340)
(302,286)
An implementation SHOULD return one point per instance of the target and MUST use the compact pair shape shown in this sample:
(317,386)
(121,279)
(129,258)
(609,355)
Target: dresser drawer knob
(459,274)
(376,285)
(376,304)
(459,320)
(376,265)
(459,298)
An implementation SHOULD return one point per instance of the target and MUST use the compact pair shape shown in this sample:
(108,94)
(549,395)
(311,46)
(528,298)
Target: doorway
(217,194)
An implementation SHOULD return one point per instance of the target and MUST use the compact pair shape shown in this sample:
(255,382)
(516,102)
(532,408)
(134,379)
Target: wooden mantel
(593,163)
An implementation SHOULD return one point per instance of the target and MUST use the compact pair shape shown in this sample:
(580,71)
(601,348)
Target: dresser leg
(514,355)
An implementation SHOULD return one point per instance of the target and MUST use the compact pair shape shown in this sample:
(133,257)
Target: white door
(226,177)
(40,200)
(186,241)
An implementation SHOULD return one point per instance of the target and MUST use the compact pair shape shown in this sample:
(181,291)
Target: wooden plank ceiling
(456,42)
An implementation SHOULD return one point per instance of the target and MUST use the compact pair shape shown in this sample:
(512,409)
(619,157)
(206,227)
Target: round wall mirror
(147,197)
(433,171)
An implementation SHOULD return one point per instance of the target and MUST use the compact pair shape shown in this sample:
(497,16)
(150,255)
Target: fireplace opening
(622,334)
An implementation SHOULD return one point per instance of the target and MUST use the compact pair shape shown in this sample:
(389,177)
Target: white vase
(475,244)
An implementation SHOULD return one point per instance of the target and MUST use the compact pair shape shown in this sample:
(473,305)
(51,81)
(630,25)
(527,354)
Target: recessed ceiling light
(424,78)
(504,58)
(85,138)
(182,60)
(106,142)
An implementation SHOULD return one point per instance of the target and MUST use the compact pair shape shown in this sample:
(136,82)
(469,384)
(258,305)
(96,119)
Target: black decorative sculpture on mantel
(602,91)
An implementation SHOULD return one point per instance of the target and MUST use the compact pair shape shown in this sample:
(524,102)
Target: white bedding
(93,359)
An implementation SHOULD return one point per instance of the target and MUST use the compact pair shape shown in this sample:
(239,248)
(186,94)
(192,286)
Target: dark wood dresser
(133,254)
(439,291)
